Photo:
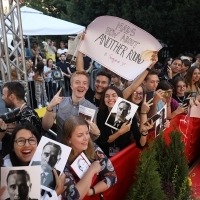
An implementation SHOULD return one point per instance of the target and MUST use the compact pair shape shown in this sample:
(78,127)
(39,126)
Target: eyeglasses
(22,141)
(140,94)
(181,86)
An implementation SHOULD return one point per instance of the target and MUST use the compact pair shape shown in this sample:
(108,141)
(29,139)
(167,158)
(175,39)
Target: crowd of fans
(170,84)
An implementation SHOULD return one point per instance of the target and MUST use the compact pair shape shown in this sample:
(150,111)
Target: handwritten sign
(118,45)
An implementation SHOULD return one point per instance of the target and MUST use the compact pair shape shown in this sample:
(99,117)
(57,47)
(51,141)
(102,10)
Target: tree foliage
(164,165)
(172,21)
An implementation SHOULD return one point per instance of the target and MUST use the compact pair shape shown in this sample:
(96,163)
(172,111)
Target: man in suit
(117,119)
(51,155)
(19,185)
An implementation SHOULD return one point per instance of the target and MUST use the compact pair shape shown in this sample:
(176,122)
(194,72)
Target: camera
(11,116)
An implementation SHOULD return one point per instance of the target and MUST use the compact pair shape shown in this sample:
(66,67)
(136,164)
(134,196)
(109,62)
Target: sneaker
(39,106)
(47,103)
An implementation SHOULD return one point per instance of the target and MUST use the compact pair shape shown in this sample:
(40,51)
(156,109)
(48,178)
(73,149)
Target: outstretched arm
(139,79)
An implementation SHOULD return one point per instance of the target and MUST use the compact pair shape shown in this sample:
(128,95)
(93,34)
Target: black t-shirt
(180,100)
(63,66)
(90,97)
(87,60)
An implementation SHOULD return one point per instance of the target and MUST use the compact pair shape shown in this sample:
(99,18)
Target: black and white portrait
(80,165)
(122,111)
(22,183)
(48,155)
(160,123)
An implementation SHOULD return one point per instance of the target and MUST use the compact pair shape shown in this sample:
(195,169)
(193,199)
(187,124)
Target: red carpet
(195,178)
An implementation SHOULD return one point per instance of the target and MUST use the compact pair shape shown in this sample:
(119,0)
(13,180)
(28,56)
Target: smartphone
(154,118)
(191,94)
(167,94)
(186,102)
(150,95)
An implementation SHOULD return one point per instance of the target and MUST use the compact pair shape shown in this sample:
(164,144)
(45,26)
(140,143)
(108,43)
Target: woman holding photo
(111,139)
(139,97)
(23,144)
(76,135)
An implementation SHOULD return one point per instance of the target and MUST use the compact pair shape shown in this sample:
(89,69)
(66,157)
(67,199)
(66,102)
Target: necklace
(180,99)
(22,106)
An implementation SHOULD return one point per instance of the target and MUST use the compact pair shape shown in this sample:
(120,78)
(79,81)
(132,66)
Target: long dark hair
(188,77)
(40,68)
(103,106)
(28,126)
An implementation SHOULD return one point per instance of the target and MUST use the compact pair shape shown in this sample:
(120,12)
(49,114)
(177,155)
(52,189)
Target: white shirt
(60,51)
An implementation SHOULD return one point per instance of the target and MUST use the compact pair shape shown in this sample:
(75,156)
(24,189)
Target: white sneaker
(39,106)
(47,103)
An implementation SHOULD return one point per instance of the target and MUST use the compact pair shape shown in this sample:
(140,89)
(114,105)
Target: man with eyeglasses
(51,155)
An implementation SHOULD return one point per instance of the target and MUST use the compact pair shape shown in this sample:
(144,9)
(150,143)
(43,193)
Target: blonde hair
(76,73)
(68,128)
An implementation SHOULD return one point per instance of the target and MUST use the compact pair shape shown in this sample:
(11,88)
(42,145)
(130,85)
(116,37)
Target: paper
(161,121)
(80,165)
(86,113)
(122,112)
(118,45)
(50,155)
(25,178)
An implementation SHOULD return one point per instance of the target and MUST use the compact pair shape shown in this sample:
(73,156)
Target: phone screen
(150,95)
(154,118)
(186,102)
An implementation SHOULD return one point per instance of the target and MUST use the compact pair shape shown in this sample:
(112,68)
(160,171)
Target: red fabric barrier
(193,149)
(125,163)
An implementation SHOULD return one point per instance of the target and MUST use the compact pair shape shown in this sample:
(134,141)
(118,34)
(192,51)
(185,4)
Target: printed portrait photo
(22,183)
(80,165)
(122,112)
(50,154)
(160,123)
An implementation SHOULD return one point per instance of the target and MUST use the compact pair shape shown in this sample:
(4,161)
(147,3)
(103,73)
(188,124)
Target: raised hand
(125,128)
(158,96)
(95,167)
(2,191)
(60,182)
(154,59)
(56,100)
(146,105)
(147,126)
(169,72)
(93,128)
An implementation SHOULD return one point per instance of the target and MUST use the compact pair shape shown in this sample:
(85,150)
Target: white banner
(118,45)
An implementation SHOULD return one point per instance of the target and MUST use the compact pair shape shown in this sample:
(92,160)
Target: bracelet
(143,113)
(143,134)
(148,69)
(48,109)
(93,191)
(2,130)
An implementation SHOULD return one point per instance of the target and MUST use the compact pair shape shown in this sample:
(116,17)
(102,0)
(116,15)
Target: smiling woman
(23,144)
(76,135)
